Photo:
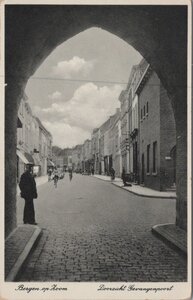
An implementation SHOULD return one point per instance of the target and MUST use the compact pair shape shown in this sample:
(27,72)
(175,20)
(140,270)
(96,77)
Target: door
(142,168)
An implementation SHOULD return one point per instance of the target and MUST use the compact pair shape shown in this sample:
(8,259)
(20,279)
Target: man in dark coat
(28,192)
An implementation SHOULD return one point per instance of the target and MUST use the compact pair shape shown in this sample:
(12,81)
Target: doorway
(142,169)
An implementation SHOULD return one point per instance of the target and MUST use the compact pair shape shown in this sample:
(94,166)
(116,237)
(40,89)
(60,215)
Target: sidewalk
(17,248)
(20,242)
(138,190)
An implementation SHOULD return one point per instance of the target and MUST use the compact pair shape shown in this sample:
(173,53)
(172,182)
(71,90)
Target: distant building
(106,140)
(95,150)
(116,140)
(124,119)
(87,162)
(59,161)
(45,148)
(63,158)
(34,142)
(103,159)
(76,158)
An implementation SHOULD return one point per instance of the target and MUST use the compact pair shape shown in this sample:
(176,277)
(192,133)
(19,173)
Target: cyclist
(49,174)
(56,177)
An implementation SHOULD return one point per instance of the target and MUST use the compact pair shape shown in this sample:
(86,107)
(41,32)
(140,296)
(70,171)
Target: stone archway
(32,32)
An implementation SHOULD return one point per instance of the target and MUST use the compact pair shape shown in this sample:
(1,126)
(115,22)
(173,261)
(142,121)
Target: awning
(50,163)
(25,157)
(29,158)
(22,157)
(19,123)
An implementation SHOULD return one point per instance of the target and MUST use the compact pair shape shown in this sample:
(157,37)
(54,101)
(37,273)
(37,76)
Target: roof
(42,126)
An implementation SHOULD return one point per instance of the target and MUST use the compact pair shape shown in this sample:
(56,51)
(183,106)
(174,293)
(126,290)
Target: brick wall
(149,130)
(13,96)
(167,140)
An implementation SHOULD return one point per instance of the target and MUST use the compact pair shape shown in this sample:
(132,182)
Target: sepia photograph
(97,150)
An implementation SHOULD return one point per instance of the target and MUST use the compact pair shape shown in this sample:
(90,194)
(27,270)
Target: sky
(76,89)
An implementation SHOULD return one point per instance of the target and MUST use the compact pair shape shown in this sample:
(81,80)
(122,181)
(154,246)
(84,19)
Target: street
(95,231)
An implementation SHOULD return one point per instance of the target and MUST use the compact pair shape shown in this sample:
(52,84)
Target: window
(147,108)
(141,114)
(148,153)
(144,111)
(154,157)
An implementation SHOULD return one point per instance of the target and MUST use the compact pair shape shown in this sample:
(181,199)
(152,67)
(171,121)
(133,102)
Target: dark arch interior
(32,32)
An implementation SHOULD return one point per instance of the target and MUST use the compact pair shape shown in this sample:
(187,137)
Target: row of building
(140,137)
(34,142)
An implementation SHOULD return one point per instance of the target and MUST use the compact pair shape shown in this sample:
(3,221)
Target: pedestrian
(123,176)
(70,174)
(112,174)
(49,174)
(56,177)
(28,189)
(92,171)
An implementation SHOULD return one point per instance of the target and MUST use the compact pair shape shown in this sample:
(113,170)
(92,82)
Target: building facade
(157,134)
(24,133)
(45,148)
(34,142)
(136,77)
(95,150)
(76,158)
(116,144)
(87,162)
(103,143)
(124,119)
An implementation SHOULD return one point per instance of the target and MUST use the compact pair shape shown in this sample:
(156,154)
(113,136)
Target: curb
(23,256)
(174,240)
(142,195)
(138,194)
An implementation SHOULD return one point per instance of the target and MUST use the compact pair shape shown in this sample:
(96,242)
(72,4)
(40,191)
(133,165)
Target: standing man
(28,192)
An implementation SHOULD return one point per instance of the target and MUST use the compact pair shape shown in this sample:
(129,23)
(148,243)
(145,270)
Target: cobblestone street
(95,231)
